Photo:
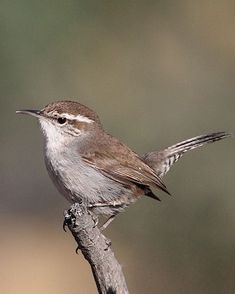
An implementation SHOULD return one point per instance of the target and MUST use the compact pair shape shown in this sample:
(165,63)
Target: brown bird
(90,166)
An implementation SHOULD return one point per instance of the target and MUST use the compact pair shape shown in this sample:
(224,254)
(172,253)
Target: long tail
(161,161)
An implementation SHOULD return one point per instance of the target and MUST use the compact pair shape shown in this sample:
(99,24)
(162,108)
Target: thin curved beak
(35,113)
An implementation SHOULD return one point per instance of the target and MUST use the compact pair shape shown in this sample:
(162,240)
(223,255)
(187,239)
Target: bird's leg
(104,204)
(108,222)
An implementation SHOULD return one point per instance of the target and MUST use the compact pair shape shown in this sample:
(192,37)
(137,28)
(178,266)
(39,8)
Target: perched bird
(91,167)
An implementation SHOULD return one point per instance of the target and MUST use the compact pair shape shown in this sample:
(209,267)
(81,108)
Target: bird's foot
(69,218)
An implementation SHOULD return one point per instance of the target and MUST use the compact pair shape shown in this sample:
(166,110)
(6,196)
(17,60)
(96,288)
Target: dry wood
(96,249)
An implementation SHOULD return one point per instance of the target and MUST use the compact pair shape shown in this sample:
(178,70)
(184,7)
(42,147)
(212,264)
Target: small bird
(91,167)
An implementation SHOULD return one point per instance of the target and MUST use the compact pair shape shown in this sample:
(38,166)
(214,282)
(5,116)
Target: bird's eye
(61,120)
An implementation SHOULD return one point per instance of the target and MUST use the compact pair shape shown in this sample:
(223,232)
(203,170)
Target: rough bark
(96,249)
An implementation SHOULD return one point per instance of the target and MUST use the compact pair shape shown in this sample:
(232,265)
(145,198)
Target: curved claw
(77,250)
(65,225)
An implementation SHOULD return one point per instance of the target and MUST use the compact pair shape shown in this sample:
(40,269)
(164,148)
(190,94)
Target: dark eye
(61,120)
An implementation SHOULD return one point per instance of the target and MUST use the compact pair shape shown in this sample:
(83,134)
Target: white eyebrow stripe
(78,117)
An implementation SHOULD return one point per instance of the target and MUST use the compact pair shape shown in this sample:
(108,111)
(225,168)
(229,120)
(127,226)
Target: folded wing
(115,160)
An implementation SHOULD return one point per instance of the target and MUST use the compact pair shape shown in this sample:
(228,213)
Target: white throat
(55,138)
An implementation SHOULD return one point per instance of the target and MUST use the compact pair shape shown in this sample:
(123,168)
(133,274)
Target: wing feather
(115,160)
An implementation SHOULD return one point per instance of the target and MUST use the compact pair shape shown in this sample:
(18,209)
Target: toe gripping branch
(82,224)
(96,249)
(75,211)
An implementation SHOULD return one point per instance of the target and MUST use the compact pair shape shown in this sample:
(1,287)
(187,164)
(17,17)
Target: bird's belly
(79,182)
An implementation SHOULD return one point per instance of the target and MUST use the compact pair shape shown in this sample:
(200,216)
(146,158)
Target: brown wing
(118,162)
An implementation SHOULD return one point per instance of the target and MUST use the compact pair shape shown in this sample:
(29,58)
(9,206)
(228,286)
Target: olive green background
(157,72)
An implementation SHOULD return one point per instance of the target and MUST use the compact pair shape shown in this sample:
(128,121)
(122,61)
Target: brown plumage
(90,166)
(115,160)
(71,107)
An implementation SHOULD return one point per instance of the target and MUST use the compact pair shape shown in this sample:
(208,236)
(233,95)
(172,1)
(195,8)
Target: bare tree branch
(96,248)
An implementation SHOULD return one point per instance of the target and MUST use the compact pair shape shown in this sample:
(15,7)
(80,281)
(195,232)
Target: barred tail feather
(198,141)
(161,161)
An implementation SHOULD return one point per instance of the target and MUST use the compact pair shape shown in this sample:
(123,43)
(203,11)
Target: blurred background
(157,72)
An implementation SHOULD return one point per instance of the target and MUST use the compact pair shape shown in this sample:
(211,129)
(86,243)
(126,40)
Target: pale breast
(78,181)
